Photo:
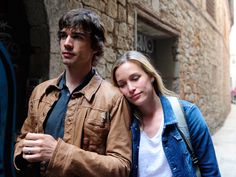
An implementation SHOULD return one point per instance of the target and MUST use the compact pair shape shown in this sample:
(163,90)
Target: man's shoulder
(47,83)
(104,85)
(104,94)
(111,89)
(42,87)
(108,91)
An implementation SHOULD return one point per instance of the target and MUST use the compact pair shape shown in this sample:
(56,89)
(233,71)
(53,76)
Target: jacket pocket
(182,153)
(96,129)
(182,147)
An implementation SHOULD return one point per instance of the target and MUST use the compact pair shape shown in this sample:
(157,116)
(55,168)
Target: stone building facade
(187,41)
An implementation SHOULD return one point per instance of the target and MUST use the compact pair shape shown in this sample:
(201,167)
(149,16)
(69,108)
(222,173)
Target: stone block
(111,8)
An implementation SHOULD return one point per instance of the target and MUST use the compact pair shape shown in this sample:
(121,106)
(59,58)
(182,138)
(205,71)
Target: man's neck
(75,76)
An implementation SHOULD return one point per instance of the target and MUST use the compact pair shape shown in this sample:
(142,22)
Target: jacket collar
(54,84)
(91,88)
(169,116)
(88,91)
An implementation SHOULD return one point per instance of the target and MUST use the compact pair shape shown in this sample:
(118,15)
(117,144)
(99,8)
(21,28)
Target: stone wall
(202,49)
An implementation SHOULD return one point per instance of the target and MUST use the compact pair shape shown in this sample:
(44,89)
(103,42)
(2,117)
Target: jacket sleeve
(116,161)
(28,126)
(202,142)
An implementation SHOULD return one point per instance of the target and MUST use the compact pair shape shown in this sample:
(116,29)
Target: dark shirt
(54,124)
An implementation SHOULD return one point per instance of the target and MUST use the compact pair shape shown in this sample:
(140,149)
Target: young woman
(158,147)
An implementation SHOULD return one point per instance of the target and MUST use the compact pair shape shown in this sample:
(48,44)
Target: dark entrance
(14,33)
(25,34)
(159,42)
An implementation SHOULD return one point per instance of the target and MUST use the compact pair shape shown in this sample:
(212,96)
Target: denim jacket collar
(169,116)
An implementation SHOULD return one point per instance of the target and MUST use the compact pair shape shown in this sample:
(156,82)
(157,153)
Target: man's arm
(30,125)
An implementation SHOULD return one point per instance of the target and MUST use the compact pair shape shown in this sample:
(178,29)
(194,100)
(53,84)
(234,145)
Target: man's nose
(68,42)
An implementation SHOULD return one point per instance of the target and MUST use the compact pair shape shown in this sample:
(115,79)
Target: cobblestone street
(225,145)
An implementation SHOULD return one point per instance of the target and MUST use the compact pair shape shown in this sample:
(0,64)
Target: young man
(77,124)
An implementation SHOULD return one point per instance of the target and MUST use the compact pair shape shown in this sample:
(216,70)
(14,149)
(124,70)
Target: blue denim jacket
(174,146)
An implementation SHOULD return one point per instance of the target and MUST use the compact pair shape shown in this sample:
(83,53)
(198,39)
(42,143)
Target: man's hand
(38,147)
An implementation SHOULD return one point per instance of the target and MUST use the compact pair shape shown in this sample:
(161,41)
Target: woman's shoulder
(184,103)
(190,108)
(187,104)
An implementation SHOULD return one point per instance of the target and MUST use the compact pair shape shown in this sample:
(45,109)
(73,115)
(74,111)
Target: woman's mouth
(135,96)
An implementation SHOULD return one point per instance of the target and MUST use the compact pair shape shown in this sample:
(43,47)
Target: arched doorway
(24,30)
(14,33)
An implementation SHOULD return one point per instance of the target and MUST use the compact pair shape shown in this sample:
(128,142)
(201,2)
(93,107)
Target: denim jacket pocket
(183,153)
(180,143)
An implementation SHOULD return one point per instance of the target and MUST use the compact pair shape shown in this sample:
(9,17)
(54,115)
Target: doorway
(160,45)
(25,33)
(14,33)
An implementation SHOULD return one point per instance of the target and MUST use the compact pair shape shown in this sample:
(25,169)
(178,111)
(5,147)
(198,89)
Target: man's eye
(62,35)
(77,36)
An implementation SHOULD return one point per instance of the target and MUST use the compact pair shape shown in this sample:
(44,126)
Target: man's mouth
(68,54)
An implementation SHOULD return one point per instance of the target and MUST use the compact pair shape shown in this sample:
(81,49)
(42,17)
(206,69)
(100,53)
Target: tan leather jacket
(97,139)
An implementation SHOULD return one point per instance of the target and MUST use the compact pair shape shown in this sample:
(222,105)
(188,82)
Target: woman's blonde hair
(144,62)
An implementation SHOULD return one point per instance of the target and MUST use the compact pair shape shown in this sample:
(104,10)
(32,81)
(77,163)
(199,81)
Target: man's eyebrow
(73,32)
(78,33)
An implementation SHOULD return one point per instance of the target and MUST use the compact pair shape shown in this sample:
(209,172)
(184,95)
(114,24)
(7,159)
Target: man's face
(75,47)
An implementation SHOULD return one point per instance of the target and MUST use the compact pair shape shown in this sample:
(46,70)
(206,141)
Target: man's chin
(66,61)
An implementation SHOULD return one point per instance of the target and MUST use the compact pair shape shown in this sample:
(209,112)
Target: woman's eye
(121,85)
(135,78)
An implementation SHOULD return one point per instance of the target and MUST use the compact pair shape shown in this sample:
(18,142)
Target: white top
(152,159)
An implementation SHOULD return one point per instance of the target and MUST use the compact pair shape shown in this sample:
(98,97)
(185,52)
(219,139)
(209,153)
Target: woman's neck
(150,108)
(152,115)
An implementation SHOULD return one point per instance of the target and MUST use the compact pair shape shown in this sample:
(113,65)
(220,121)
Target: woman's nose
(131,87)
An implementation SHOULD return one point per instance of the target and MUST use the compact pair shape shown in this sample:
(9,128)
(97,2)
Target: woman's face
(134,83)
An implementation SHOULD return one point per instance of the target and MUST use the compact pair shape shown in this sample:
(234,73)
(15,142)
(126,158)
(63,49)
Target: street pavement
(225,145)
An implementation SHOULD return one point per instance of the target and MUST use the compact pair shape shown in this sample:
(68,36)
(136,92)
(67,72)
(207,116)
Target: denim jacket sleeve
(201,140)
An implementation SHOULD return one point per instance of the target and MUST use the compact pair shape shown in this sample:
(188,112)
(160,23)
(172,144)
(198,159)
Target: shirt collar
(85,81)
(62,81)
(88,90)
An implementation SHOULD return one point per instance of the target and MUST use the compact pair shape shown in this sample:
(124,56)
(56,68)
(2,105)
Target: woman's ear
(152,79)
